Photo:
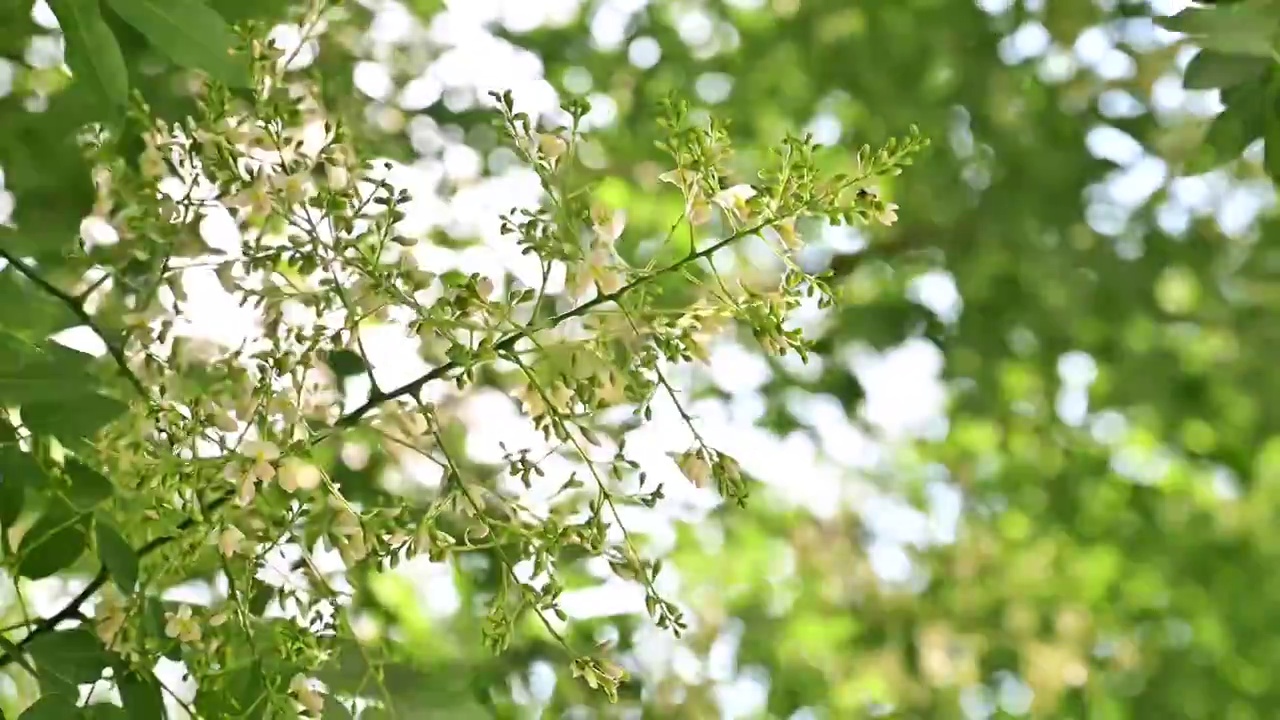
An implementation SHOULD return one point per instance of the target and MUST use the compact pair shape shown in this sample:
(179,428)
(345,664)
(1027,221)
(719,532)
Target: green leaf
(88,486)
(75,418)
(1271,137)
(334,710)
(140,693)
(105,711)
(1245,28)
(117,555)
(190,33)
(43,372)
(241,692)
(346,363)
(92,51)
(1239,124)
(27,311)
(15,652)
(1209,69)
(53,543)
(51,707)
(74,656)
(18,471)
(260,598)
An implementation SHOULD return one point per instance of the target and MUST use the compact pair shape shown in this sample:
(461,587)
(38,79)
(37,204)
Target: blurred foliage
(1108,564)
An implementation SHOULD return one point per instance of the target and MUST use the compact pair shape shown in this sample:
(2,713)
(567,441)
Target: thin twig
(509,341)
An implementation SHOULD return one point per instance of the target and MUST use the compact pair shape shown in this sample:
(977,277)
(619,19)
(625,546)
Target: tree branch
(509,341)
(71,610)
(77,309)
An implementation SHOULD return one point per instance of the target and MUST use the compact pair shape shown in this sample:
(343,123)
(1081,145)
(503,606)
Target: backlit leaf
(18,471)
(190,33)
(1209,69)
(141,694)
(1244,28)
(51,707)
(53,543)
(88,486)
(74,656)
(117,555)
(92,51)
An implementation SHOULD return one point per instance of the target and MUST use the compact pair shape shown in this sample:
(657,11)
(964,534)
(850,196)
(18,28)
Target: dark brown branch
(71,610)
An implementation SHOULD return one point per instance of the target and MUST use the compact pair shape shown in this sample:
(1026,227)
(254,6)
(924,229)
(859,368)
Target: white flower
(598,268)
(262,453)
(110,616)
(695,467)
(152,164)
(293,188)
(224,422)
(734,202)
(559,395)
(607,225)
(696,207)
(530,401)
(95,231)
(229,540)
(298,474)
(307,697)
(786,231)
(182,626)
(484,287)
(681,178)
(256,198)
(337,176)
(889,215)
(699,211)
(552,146)
(248,489)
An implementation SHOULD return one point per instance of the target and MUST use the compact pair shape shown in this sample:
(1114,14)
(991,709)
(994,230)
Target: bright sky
(905,398)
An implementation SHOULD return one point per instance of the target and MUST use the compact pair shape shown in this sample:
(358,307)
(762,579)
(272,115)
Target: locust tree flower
(696,208)
(888,215)
(600,266)
(96,230)
(182,626)
(262,454)
(224,421)
(256,197)
(230,540)
(350,541)
(786,231)
(734,201)
(110,617)
(552,145)
(693,463)
(307,696)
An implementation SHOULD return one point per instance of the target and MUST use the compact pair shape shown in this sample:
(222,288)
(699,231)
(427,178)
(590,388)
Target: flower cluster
(267,442)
